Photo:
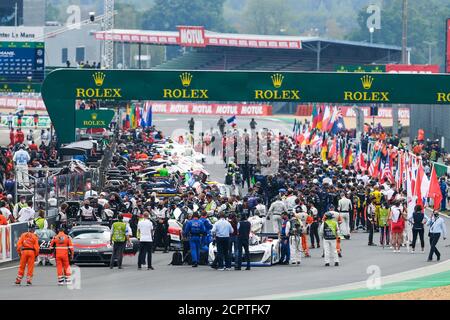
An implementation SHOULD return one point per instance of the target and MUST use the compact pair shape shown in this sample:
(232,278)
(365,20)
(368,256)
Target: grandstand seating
(231,58)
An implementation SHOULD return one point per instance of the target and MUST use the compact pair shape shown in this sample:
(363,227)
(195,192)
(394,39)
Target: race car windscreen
(91,235)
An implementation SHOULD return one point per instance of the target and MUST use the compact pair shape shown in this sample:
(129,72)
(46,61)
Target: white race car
(265,250)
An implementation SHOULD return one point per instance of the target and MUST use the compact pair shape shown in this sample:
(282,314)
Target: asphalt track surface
(185,282)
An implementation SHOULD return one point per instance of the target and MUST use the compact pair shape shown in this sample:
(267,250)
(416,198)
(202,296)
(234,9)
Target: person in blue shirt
(207,238)
(194,230)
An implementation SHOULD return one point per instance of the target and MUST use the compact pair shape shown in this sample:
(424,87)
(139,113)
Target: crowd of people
(308,203)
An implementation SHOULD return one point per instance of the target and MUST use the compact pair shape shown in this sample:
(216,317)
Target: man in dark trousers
(119,237)
(244,228)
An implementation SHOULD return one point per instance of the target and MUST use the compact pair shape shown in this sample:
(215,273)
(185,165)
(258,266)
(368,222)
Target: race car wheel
(271,255)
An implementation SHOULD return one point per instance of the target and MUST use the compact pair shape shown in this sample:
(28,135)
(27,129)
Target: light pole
(429,43)
(371,30)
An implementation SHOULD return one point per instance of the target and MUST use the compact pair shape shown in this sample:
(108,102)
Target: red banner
(191,36)
(412,68)
(447,47)
(211,109)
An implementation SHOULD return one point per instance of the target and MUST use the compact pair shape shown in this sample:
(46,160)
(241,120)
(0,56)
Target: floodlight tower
(108,26)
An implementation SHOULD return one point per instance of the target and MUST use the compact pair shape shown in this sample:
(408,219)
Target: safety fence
(10,234)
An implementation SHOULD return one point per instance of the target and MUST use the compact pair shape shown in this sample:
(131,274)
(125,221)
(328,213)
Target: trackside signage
(191,36)
(62,87)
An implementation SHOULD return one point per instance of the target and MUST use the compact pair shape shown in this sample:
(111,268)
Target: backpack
(328,233)
(177,259)
(295,227)
(229,179)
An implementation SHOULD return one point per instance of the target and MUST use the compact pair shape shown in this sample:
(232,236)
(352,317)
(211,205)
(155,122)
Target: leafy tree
(167,14)
(426,22)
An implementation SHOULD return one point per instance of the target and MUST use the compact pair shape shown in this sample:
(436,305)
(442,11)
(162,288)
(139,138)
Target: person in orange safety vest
(63,248)
(28,250)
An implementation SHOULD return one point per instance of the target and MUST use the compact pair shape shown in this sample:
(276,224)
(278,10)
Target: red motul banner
(412,68)
(191,36)
(447,47)
(210,109)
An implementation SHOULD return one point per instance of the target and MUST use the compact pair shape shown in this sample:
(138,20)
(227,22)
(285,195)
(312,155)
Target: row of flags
(138,116)
(381,160)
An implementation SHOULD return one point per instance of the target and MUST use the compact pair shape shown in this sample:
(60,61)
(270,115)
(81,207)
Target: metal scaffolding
(108,26)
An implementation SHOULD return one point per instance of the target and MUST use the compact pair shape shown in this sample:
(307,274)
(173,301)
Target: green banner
(63,86)
(27,121)
(9,87)
(441,169)
(6,45)
(361,68)
(93,118)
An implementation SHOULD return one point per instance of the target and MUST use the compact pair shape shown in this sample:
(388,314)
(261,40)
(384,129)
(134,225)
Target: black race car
(45,236)
(92,244)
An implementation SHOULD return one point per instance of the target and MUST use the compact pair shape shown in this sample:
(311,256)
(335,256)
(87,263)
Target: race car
(174,232)
(265,250)
(91,244)
(45,236)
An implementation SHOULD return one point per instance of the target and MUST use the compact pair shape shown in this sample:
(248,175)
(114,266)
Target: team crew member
(329,230)
(370,220)
(437,228)
(418,221)
(63,254)
(145,232)
(295,240)
(243,229)
(28,250)
(275,211)
(314,227)
(42,224)
(195,229)
(119,237)
(300,214)
(86,212)
(284,237)
(344,208)
(222,230)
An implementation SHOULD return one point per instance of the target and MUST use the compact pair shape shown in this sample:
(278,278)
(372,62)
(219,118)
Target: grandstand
(220,51)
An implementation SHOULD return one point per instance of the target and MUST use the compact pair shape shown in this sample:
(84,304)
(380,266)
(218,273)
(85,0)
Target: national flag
(386,173)
(232,121)
(434,191)
(326,119)
(361,162)
(314,115)
(374,165)
(149,118)
(338,126)
(319,118)
(133,116)
(333,151)
(348,157)
(324,150)
(333,118)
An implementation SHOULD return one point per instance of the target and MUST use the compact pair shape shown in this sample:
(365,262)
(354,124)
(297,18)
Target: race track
(185,282)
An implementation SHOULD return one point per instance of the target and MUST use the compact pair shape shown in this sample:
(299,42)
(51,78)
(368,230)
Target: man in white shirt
(145,234)
(345,208)
(21,159)
(6,212)
(26,214)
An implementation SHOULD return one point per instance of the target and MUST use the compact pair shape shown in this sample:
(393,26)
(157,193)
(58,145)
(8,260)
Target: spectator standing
(437,229)
(222,231)
(145,232)
(244,229)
